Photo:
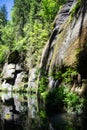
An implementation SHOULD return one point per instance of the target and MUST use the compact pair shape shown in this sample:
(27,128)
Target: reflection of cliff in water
(23,112)
(17,111)
(10,112)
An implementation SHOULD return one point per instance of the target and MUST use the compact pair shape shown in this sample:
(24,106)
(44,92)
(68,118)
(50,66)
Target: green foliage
(43,120)
(36,39)
(36,30)
(42,114)
(54,99)
(30,26)
(44,95)
(7,35)
(4,50)
(62,99)
(3,20)
(67,75)
(43,84)
(73,102)
(56,74)
(50,8)
(75,8)
(20,45)
(3,15)
(20,15)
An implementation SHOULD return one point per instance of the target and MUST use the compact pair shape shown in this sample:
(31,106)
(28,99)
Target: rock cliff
(14,72)
(67,44)
(66,47)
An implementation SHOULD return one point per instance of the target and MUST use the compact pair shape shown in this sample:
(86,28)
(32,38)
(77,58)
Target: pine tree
(3,15)
(3,20)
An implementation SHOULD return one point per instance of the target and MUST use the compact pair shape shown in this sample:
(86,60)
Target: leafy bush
(54,99)
(62,99)
(4,50)
(73,102)
(43,83)
(20,45)
(56,74)
(67,75)
(50,8)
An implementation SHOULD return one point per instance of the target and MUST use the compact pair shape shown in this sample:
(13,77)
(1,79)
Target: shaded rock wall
(14,73)
(67,37)
(67,45)
(61,18)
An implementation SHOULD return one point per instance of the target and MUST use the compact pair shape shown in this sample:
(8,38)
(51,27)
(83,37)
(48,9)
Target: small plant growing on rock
(73,102)
(43,84)
(75,9)
(67,76)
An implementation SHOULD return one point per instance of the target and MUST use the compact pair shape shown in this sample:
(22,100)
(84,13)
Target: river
(22,111)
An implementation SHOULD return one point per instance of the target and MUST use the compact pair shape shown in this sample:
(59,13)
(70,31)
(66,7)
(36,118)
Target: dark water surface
(22,112)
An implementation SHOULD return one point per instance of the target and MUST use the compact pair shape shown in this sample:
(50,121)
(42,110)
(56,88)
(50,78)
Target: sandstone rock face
(18,80)
(67,45)
(15,76)
(62,48)
(60,19)
(13,72)
(32,78)
(8,71)
(65,51)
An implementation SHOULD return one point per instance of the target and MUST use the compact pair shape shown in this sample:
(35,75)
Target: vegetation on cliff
(27,34)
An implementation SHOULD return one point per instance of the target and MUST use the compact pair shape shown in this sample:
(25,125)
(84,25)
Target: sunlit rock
(8,71)
(6,86)
(51,82)
(18,80)
(32,78)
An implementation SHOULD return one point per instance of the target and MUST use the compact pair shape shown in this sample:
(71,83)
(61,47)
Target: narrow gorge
(53,64)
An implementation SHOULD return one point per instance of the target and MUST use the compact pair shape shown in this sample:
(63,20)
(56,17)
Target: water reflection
(21,112)
(68,122)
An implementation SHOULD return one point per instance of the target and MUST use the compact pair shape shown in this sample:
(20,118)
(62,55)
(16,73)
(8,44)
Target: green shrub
(72,101)
(43,83)
(56,74)
(4,50)
(61,99)
(64,75)
(20,45)
(54,99)
(67,75)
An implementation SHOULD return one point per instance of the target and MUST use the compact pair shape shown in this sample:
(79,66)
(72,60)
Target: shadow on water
(66,121)
(21,112)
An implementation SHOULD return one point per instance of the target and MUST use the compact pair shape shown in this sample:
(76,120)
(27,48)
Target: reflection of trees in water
(32,110)
(37,119)
(66,121)
(10,113)
(23,112)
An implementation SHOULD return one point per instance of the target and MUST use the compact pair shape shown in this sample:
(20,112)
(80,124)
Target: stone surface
(67,45)
(32,78)
(72,36)
(18,81)
(13,72)
(8,71)
(49,49)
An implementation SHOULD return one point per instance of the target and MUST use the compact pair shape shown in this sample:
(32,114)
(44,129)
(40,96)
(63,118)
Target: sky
(9,4)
